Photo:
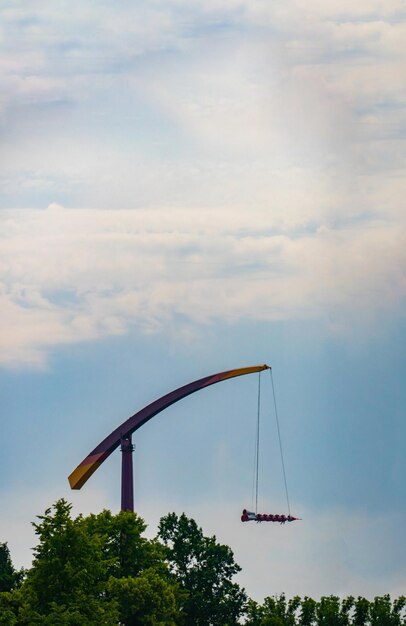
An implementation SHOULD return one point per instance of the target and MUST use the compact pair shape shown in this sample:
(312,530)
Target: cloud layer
(73,275)
(236,160)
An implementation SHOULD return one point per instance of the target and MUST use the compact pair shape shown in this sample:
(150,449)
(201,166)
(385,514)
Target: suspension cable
(254,464)
(280,444)
(257,443)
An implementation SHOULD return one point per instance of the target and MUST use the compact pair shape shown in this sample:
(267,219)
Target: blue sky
(188,188)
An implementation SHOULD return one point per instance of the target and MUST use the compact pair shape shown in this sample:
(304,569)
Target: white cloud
(74,275)
(262,146)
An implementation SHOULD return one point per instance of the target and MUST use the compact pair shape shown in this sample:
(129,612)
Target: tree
(9,577)
(148,599)
(361,612)
(330,611)
(204,569)
(67,580)
(102,570)
(275,611)
(95,570)
(307,615)
(383,613)
(125,551)
(136,573)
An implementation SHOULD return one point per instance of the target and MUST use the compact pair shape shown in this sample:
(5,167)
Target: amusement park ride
(122,436)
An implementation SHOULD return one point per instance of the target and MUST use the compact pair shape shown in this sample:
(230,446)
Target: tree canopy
(204,569)
(9,577)
(94,570)
(328,611)
(102,570)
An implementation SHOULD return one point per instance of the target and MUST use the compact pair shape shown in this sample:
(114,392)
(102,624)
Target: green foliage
(307,615)
(125,551)
(275,611)
(361,612)
(329,611)
(204,569)
(9,577)
(66,584)
(8,609)
(146,599)
(383,613)
(101,570)
(93,570)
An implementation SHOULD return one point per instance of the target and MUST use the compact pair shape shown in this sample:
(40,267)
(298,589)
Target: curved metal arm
(90,464)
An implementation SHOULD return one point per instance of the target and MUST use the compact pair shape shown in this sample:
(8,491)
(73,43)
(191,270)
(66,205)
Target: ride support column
(127,486)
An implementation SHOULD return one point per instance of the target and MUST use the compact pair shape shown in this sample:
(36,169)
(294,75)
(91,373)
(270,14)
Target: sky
(191,187)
